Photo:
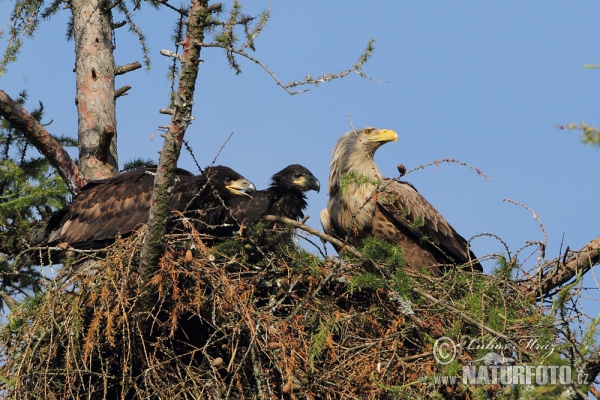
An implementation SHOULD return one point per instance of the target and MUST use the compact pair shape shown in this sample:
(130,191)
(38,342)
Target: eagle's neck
(288,203)
(351,204)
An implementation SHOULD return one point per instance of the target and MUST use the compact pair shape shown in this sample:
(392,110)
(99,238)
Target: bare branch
(169,53)
(35,132)
(336,242)
(122,91)
(123,69)
(537,218)
(117,25)
(11,303)
(449,161)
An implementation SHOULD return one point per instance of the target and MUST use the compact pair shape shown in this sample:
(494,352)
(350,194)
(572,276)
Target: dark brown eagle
(362,203)
(285,196)
(116,206)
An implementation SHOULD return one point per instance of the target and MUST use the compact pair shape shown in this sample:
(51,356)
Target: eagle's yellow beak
(383,135)
(242,187)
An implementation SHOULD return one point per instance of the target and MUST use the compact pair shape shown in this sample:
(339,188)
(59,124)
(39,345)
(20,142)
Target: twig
(449,161)
(241,361)
(221,149)
(542,253)
(324,236)
(189,149)
(469,319)
(356,68)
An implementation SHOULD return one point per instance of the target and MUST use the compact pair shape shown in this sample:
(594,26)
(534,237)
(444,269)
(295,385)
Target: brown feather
(118,205)
(392,210)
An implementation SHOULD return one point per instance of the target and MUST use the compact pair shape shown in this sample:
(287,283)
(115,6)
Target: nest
(255,319)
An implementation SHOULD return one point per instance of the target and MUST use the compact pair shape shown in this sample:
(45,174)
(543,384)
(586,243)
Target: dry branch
(223,325)
(122,91)
(564,270)
(123,69)
(334,241)
(35,132)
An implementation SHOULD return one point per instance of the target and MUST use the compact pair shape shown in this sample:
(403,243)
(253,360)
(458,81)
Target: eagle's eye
(227,179)
(297,175)
(367,131)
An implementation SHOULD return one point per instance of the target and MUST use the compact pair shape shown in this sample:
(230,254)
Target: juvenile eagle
(362,203)
(106,208)
(285,197)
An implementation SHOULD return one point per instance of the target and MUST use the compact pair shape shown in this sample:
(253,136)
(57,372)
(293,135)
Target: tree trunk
(95,98)
(152,249)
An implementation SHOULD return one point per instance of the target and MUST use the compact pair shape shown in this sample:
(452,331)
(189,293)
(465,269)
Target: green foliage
(16,323)
(402,283)
(390,257)
(366,280)
(133,28)
(27,15)
(589,338)
(23,22)
(566,293)
(356,179)
(419,222)
(138,163)
(29,190)
(319,341)
(379,250)
(504,268)
(261,241)
(228,39)
(590,135)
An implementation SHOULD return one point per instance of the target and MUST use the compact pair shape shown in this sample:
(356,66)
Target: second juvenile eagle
(362,203)
(107,208)
(285,196)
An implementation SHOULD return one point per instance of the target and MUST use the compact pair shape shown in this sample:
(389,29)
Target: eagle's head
(295,177)
(354,152)
(228,183)
(368,139)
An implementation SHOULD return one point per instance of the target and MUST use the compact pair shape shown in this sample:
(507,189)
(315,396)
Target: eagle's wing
(106,208)
(246,210)
(410,212)
(115,206)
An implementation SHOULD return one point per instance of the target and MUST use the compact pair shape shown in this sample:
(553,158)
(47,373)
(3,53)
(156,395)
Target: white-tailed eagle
(107,208)
(285,196)
(362,203)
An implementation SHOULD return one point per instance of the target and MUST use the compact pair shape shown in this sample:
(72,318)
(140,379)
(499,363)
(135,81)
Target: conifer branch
(222,42)
(136,30)
(35,132)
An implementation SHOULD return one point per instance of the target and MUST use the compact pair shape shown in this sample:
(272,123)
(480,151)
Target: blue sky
(486,83)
